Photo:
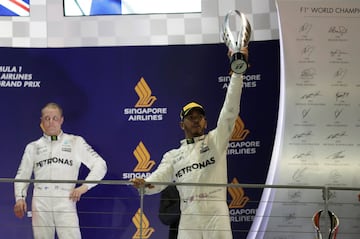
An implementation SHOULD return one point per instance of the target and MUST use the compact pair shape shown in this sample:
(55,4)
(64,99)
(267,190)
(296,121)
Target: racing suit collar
(192,140)
(53,137)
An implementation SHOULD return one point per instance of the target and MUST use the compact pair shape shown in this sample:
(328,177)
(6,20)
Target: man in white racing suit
(201,158)
(55,156)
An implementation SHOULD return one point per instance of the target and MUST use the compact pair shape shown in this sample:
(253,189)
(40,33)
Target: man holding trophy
(201,157)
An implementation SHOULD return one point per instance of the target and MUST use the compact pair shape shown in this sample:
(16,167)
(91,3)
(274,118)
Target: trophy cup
(238,63)
(332,227)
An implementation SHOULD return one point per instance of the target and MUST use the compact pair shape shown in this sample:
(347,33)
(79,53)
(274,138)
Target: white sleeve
(92,160)
(163,173)
(229,112)
(24,171)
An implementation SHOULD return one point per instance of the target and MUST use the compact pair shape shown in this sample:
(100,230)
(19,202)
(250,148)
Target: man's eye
(55,118)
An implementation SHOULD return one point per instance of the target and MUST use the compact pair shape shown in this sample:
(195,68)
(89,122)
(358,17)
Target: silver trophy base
(238,63)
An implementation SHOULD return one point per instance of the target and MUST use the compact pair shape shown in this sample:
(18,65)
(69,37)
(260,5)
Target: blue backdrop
(100,89)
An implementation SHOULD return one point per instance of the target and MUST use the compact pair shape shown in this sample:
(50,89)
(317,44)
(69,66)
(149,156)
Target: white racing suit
(58,159)
(204,210)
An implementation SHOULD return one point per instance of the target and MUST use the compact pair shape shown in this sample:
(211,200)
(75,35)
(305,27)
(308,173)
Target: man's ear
(181,125)
(42,127)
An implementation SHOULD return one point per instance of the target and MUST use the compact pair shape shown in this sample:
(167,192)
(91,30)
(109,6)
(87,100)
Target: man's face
(51,121)
(194,124)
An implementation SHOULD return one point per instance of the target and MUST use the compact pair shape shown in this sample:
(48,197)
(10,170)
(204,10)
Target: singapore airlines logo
(143,157)
(239,132)
(238,212)
(237,194)
(143,110)
(144,92)
(238,144)
(144,164)
(142,224)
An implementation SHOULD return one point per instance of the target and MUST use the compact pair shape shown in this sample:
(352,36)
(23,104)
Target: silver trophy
(331,225)
(237,38)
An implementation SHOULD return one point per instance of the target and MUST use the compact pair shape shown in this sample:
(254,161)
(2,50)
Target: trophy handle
(243,37)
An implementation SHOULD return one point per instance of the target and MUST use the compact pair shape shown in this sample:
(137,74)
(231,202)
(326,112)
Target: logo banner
(128,110)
